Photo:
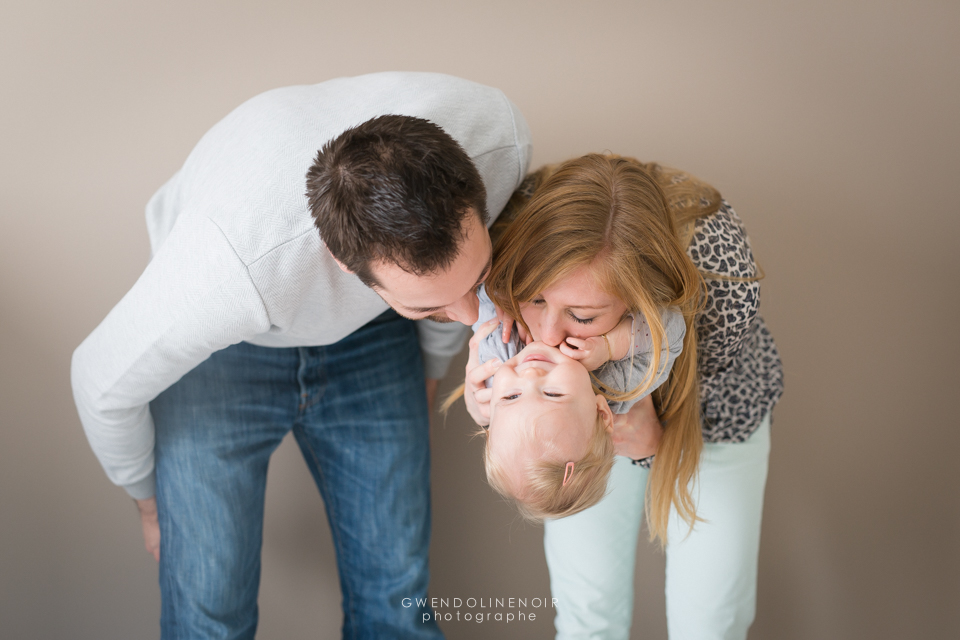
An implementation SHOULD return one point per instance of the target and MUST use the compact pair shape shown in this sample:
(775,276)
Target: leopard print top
(741,376)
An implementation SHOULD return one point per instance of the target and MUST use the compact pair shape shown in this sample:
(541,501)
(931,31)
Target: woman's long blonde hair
(630,221)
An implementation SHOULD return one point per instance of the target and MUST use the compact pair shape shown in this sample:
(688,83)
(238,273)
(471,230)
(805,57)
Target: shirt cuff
(144,489)
(435,366)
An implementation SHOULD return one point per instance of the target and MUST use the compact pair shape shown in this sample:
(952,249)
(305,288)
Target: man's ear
(604,408)
(342,266)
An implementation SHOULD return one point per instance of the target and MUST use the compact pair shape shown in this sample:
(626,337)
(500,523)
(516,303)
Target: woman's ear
(604,408)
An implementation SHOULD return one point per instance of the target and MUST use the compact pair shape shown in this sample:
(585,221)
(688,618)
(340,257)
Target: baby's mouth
(535,356)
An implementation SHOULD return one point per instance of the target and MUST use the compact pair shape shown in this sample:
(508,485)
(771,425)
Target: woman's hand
(475,393)
(637,433)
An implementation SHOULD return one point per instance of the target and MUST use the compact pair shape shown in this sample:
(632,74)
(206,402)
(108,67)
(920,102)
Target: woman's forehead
(581,287)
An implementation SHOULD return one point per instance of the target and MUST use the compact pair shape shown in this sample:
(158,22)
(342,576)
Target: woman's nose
(551,333)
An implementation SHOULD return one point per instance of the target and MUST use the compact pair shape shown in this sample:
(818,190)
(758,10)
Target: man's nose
(466,310)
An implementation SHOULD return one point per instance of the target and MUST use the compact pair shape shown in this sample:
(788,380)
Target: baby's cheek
(500,375)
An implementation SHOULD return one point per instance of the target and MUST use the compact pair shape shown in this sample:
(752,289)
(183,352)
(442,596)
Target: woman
(560,268)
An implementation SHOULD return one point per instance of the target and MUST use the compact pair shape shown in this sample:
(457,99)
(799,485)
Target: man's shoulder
(328,108)
(247,173)
(276,134)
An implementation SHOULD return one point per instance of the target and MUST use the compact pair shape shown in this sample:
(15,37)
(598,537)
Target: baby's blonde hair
(542,493)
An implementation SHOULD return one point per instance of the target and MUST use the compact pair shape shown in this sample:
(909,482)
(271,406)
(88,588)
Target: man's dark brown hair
(394,189)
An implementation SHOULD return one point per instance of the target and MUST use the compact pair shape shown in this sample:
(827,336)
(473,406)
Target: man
(253,319)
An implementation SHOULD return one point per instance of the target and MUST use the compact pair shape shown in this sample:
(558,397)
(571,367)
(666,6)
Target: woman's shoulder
(720,245)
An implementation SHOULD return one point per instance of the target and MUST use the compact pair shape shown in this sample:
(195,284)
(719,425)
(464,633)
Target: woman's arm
(721,251)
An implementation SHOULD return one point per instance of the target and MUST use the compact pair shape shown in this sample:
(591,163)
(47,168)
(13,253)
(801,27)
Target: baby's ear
(604,408)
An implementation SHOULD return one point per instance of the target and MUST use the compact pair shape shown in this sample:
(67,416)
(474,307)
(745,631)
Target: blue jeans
(358,412)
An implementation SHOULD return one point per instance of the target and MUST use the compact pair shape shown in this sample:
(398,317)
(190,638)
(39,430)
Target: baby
(549,444)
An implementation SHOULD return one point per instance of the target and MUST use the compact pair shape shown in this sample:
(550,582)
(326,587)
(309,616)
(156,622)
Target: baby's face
(543,406)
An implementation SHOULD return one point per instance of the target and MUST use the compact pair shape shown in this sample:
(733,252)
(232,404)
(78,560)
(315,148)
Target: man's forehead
(399,282)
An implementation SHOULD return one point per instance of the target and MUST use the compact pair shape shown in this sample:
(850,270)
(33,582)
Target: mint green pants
(711,582)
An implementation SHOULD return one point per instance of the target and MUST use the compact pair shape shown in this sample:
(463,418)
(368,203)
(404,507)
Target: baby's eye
(552,395)
(513,397)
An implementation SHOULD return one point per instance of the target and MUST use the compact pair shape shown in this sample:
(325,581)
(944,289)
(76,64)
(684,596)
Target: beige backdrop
(830,125)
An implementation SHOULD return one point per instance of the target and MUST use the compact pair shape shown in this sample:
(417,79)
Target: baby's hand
(590,352)
(593,352)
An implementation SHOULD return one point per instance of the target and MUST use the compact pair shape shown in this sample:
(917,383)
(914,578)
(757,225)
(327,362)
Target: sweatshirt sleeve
(194,298)
(439,343)
(627,374)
